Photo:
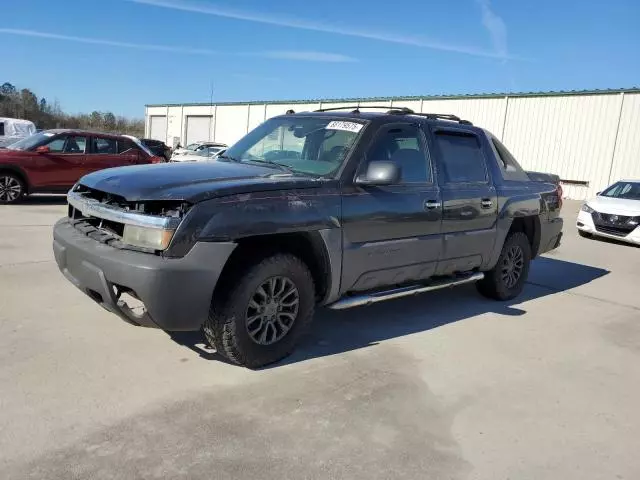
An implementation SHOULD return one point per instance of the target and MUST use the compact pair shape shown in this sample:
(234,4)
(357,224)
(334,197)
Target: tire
(230,328)
(12,188)
(499,283)
(584,234)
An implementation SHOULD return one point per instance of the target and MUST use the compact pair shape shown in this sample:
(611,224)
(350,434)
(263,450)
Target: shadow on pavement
(335,332)
(42,199)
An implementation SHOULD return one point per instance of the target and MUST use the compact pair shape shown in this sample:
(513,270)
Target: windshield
(30,142)
(624,190)
(192,146)
(308,145)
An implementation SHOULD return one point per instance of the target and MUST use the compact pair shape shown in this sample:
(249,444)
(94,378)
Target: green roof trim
(406,99)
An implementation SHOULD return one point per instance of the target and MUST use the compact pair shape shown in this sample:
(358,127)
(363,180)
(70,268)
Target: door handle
(486,203)
(431,204)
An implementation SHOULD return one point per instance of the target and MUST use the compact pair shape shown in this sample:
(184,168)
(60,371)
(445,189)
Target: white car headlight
(587,208)
(154,238)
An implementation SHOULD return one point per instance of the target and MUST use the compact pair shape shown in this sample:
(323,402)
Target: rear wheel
(11,188)
(260,318)
(506,280)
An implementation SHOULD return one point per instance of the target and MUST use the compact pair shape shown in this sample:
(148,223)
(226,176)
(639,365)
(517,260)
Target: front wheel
(506,280)
(11,188)
(259,319)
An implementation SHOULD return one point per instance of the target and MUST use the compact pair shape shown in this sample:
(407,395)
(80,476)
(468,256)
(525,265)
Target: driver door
(392,234)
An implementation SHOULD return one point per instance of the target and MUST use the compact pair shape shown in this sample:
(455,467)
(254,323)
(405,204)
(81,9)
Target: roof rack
(356,108)
(402,111)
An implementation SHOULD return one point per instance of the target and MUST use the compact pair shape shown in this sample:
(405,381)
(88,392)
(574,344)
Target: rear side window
(104,146)
(1,129)
(126,145)
(461,157)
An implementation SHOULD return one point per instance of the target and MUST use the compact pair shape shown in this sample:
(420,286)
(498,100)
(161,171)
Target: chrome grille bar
(91,207)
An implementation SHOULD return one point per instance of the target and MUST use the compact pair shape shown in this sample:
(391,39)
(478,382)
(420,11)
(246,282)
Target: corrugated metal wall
(592,138)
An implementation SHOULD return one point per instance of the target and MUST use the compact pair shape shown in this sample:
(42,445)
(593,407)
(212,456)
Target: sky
(118,55)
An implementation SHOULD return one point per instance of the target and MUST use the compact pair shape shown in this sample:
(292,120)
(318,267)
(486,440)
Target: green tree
(109,120)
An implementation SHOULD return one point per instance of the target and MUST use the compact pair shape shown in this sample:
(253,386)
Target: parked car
(157,147)
(194,148)
(613,213)
(14,129)
(54,160)
(324,208)
(203,154)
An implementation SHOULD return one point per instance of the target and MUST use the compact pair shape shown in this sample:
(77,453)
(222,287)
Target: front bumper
(176,292)
(585,223)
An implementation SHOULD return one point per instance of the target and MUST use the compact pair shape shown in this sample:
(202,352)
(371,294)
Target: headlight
(154,238)
(587,208)
(634,221)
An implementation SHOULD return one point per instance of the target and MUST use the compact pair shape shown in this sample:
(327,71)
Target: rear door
(470,204)
(391,234)
(104,154)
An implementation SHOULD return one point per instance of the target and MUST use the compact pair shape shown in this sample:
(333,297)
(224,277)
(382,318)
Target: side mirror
(42,149)
(598,193)
(380,174)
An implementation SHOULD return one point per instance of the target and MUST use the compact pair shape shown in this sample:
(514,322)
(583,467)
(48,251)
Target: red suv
(54,160)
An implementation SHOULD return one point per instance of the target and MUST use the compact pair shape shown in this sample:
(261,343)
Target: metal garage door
(158,128)
(198,128)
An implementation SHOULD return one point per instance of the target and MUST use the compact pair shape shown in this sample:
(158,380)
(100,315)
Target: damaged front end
(147,226)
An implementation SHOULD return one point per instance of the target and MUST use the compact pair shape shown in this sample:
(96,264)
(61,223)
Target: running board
(371,298)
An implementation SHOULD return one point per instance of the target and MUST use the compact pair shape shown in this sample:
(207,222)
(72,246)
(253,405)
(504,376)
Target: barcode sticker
(346,126)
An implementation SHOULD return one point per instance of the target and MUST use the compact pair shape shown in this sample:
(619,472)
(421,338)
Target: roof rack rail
(444,116)
(355,108)
(401,111)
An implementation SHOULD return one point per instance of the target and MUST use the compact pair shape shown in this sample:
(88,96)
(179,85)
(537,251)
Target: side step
(371,298)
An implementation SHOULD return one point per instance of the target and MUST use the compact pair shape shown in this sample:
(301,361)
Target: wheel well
(18,173)
(530,226)
(308,247)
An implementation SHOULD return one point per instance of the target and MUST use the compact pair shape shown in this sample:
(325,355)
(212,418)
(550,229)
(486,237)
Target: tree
(109,120)
(8,89)
(44,107)
(95,120)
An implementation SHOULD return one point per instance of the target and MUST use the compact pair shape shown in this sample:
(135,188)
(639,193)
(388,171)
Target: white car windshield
(302,144)
(623,190)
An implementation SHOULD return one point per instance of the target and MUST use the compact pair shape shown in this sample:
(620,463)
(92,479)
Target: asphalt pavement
(444,386)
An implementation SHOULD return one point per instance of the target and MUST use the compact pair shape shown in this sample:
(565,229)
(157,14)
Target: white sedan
(613,213)
(201,155)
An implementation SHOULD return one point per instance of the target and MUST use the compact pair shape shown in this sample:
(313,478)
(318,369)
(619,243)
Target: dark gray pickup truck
(327,208)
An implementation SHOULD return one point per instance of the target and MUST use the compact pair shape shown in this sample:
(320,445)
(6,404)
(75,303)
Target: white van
(14,129)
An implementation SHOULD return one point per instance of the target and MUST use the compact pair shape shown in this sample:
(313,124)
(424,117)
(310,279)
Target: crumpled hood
(615,206)
(191,182)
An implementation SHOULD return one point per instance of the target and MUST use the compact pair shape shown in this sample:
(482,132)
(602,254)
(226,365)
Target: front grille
(609,219)
(617,231)
(612,224)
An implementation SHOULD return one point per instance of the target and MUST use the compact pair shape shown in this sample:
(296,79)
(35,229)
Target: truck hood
(193,181)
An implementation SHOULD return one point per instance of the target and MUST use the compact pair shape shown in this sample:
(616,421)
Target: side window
(104,146)
(1,129)
(75,144)
(57,144)
(509,163)
(126,146)
(402,144)
(461,156)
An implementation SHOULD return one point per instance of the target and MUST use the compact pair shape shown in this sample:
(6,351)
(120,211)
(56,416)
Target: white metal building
(588,138)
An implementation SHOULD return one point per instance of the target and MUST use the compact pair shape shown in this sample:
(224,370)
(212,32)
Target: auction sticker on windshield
(346,126)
